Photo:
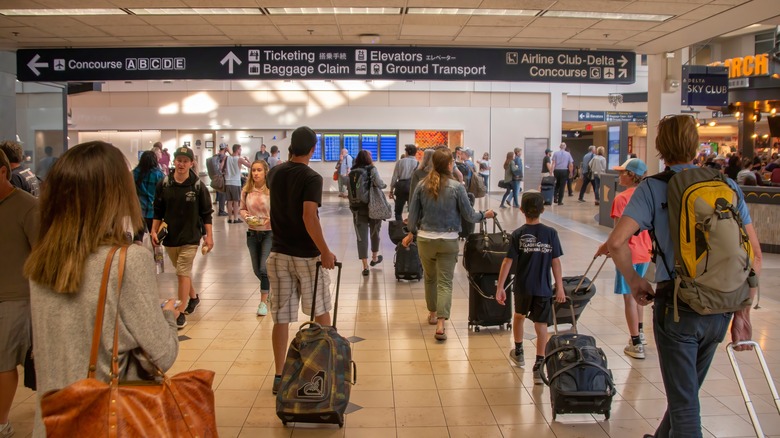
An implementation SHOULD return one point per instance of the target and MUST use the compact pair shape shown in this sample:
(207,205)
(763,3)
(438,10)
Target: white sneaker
(262,309)
(7,431)
(635,351)
(642,338)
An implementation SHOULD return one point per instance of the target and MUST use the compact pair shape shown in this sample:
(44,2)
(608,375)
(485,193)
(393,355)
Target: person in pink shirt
(631,173)
(255,209)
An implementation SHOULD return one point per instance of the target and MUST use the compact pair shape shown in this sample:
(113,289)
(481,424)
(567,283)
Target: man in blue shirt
(584,172)
(563,169)
(686,347)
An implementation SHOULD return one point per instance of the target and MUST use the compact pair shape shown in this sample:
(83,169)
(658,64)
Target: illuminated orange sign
(748,66)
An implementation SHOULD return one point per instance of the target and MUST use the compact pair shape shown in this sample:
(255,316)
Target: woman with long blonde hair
(255,209)
(435,211)
(87,206)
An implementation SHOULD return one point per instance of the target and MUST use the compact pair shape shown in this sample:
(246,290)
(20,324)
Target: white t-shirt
(232,171)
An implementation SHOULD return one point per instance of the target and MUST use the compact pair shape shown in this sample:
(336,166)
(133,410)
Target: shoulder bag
(178,406)
(484,252)
(477,186)
(378,207)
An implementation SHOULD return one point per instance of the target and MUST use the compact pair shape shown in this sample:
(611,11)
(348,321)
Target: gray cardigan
(63,323)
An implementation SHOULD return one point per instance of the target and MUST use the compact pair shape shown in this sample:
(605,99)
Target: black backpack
(359,185)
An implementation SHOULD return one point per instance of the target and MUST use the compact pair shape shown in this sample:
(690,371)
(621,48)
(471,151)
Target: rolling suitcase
(548,189)
(483,309)
(397,231)
(741,382)
(407,263)
(318,373)
(577,373)
(580,289)
(484,252)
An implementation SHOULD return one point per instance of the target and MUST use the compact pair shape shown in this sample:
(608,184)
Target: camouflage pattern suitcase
(318,373)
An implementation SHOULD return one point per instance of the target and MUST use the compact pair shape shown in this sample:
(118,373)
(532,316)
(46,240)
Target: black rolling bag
(407,263)
(580,289)
(484,311)
(548,189)
(577,373)
(397,231)
(484,252)
(318,373)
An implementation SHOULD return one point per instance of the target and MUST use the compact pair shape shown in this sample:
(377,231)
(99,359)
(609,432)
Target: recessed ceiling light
(339,11)
(47,12)
(197,11)
(466,11)
(607,15)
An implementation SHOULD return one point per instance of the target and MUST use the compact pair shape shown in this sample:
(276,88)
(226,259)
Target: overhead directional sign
(704,85)
(612,116)
(335,62)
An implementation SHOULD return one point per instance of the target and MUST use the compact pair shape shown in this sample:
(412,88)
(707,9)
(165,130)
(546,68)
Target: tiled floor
(410,385)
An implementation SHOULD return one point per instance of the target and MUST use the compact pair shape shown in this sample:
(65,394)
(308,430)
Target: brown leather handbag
(178,406)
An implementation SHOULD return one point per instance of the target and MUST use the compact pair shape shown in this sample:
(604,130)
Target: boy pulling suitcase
(536,250)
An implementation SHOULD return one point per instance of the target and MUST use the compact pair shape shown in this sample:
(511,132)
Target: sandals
(432,319)
(378,261)
(365,272)
(440,336)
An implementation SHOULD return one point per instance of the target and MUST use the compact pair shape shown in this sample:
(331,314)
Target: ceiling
(692,21)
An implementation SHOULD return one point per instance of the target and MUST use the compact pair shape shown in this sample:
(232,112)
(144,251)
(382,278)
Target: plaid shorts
(292,281)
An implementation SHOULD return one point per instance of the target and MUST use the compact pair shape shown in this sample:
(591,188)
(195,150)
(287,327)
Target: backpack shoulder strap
(664,176)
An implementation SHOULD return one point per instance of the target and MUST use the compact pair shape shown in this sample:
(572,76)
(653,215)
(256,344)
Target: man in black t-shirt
(298,243)
(547,162)
(535,250)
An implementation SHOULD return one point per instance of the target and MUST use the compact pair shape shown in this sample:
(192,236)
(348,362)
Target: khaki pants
(438,257)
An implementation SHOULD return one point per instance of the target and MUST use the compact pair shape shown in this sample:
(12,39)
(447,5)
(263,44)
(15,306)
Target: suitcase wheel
(555,415)
(476,328)
(509,326)
(284,423)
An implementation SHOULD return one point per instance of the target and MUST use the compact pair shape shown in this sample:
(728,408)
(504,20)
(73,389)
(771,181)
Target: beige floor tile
(507,396)
(263,417)
(418,398)
(468,416)
(412,382)
(229,432)
(361,356)
(728,425)
(272,432)
(303,430)
(249,383)
(251,368)
(414,367)
(228,416)
(234,398)
(526,430)
(427,432)
(517,414)
(372,417)
(373,399)
(451,367)
(579,430)
(219,355)
(378,432)
(462,397)
(499,380)
(447,354)
(456,381)
(373,383)
(475,432)
(408,355)
(419,417)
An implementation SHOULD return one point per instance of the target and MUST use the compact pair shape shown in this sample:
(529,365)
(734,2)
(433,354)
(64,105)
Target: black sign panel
(705,86)
(322,63)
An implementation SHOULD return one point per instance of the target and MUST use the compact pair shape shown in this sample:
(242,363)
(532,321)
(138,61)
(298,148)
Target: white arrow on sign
(622,73)
(582,116)
(34,64)
(230,58)
(623,61)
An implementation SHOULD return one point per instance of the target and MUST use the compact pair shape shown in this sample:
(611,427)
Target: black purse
(504,184)
(484,252)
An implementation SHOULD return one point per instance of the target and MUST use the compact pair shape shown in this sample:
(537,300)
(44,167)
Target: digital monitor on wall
(613,146)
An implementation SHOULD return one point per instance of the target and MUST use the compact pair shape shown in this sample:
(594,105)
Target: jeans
(584,188)
(596,185)
(343,183)
(516,189)
(259,244)
(486,180)
(221,198)
(438,257)
(362,226)
(685,352)
(561,175)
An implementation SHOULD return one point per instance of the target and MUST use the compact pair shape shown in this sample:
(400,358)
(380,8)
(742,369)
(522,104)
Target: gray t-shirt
(233,171)
(19,222)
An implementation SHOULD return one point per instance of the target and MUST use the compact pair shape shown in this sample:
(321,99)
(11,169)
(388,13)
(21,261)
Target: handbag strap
(115,349)
(101,307)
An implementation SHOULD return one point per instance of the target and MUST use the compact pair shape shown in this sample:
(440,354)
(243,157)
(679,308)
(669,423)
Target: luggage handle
(588,270)
(317,269)
(496,224)
(741,382)
(573,316)
(354,372)
(479,289)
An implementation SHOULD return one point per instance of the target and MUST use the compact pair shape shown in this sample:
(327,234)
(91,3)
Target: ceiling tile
(206,39)
(555,23)
(244,31)
(449,4)
(131,30)
(539,32)
(167,20)
(516,4)
(21,4)
(318,30)
(284,20)
(610,35)
(704,12)
(65,4)
(436,20)
(624,25)
(245,20)
(673,25)
(484,31)
(590,5)
(77,31)
(653,7)
(413,29)
(373,19)
(129,4)
(472,40)
(369,3)
(24,32)
(537,42)
(647,36)
(296,4)
(386,29)
(481,20)
(179,29)
(47,22)
(729,2)
(221,3)
(592,44)
(416,39)
(110,20)
(151,38)
(94,40)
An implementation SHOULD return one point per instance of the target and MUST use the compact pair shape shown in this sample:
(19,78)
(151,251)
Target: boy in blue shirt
(536,250)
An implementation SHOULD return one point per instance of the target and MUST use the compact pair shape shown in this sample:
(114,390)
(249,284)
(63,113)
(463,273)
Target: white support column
(8,96)
(661,102)
(556,117)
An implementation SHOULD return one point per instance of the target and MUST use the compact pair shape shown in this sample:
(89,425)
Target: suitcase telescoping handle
(741,382)
(588,270)
(317,269)
(573,317)
(496,224)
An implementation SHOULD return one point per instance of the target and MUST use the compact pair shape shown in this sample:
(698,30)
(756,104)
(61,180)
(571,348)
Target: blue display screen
(352,144)
(370,143)
(389,148)
(332,147)
(317,156)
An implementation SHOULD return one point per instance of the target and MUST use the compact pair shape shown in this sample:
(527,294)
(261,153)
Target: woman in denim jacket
(435,212)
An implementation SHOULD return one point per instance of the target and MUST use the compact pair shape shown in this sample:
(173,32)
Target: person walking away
(484,169)
(343,167)
(45,164)
(86,207)
(535,250)
(231,167)
(21,177)
(365,227)
(517,173)
(184,203)
(401,181)
(214,167)
(598,166)
(146,176)
(298,243)
(438,204)
(19,221)
(686,340)
(274,159)
(586,173)
(423,169)
(509,174)
(165,161)
(255,210)
(631,173)
(563,166)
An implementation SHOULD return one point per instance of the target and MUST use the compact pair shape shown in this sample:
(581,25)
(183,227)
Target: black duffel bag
(484,252)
